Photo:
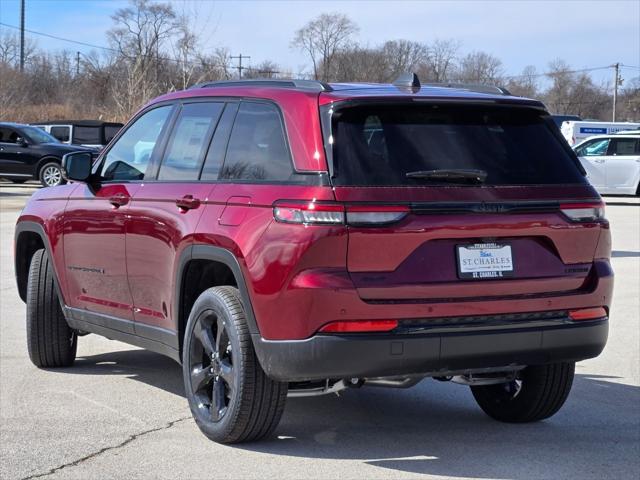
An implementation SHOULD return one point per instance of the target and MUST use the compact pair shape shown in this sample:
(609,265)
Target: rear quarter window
(379,144)
(257,149)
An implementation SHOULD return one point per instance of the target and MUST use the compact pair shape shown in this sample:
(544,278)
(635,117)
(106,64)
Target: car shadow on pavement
(437,429)
(140,365)
(433,428)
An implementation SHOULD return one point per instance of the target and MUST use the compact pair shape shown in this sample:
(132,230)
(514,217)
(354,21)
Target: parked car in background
(28,152)
(559,119)
(294,236)
(88,133)
(575,132)
(612,162)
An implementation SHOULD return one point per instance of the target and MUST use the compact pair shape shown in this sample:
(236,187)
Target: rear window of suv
(378,145)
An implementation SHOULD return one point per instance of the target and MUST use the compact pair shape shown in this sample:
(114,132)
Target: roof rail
(474,87)
(311,85)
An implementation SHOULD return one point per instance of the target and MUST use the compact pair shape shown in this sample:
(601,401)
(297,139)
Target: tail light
(309,213)
(326,213)
(583,212)
(359,326)
(587,313)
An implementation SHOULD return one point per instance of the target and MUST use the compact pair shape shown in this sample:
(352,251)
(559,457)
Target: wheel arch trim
(28,226)
(43,161)
(216,254)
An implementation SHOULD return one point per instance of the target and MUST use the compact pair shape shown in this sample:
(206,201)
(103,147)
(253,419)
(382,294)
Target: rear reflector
(583,212)
(587,313)
(355,326)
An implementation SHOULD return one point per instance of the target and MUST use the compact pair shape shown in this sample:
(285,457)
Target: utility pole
(240,67)
(22,35)
(616,80)
(77,63)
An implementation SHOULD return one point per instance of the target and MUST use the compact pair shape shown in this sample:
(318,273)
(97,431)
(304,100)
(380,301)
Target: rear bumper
(435,354)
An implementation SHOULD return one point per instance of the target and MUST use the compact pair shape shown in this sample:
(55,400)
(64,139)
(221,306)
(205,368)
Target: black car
(28,152)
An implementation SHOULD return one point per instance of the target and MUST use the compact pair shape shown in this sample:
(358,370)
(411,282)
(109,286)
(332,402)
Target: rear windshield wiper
(455,175)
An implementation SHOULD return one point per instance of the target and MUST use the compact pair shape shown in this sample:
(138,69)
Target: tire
(231,398)
(50,341)
(536,394)
(50,175)
(18,180)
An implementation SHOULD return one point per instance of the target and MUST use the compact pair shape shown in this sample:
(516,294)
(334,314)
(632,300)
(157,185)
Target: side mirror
(76,166)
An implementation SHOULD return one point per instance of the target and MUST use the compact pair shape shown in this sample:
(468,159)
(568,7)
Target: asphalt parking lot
(120,411)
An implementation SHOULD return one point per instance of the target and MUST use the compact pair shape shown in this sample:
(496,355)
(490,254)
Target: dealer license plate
(484,260)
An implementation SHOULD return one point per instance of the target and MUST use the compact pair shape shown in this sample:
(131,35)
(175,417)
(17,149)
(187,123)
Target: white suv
(612,162)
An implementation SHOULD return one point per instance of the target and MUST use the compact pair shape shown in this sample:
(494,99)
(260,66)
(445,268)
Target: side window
(189,141)
(61,133)
(257,147)
(8,135)
(129,157)
(624,147)
(86,135)
(594,148)
(218,147)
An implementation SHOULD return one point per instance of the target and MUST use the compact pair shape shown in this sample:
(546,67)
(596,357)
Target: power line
(561,72)
(41,34)
(240,57)
(101,47)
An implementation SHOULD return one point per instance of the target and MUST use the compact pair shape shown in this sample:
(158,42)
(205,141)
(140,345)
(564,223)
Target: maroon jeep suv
(291,237)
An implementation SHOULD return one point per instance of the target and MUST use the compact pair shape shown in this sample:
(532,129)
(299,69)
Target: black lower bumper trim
(348,356)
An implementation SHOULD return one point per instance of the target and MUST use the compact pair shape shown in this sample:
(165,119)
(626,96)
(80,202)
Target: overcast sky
(583,33)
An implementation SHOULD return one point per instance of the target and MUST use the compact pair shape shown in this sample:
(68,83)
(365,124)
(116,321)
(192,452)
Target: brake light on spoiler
(327,213)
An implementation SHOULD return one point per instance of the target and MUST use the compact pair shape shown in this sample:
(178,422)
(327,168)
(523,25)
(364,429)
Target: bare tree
(526,84)
(572,93)
(322,38)
(403,56)
(10,48)
(479,67)
(359,64)
(141,32)
(441,60)
(265,69)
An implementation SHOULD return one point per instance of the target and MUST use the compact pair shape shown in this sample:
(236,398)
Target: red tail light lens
(587,313)
(583,212)
(326,213)
(309,213)
(375,215)
(359,326)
